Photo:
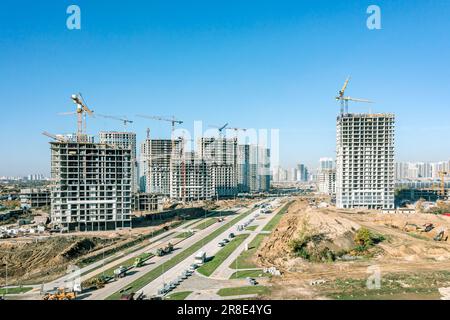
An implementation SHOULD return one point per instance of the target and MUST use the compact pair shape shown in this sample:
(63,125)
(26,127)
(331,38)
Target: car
(225,240)
(193,266)
(252,281)
(162,291)
(221,244)
(231,235)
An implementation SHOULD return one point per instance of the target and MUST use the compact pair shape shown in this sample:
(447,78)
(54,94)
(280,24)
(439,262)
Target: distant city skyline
(258,65)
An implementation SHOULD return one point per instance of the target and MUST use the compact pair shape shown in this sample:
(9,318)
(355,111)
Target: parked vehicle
(200,257)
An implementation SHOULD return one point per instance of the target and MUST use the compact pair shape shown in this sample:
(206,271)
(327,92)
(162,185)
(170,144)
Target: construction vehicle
(96,283)
(163,251)
(138,262)
(120,272)
(344,100)
(60,294)
(440,236)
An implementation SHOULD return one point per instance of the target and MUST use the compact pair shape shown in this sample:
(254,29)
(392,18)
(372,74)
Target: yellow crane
(81,112)
(442,175)
(345,99)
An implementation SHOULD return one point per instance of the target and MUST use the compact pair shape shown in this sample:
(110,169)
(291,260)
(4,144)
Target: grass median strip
(127,252)
(178,295)
(155,273)
(276,219)
(184,235)
(15,290)
(237,291)
(127,264)
(205,223)
(245,259)
(209,267)
(249,273)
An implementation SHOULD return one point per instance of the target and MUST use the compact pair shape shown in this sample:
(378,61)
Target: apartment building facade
(92,186)
(125,140)
(365,161)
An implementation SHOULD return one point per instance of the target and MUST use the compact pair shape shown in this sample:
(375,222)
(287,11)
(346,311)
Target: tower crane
(345,99)
(53,136)
(236,130)
(221,129)
(173,122)
(124,120)
(442,175)
(81,112)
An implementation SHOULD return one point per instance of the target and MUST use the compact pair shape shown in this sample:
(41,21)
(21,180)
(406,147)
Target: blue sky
(256,64)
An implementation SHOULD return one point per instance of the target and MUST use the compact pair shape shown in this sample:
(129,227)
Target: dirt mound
(318,231)
(45,258)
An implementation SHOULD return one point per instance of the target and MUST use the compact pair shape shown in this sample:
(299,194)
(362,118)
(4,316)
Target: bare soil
(404,251)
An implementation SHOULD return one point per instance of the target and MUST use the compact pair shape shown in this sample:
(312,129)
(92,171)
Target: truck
(120,272)
(138,262)
(163,251)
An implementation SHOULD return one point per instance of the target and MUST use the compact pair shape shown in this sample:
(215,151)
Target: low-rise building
(34,198)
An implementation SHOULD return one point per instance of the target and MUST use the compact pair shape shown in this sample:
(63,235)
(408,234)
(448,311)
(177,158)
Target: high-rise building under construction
(156,156)
(126,140)
(365,161)
(221,155)
(91,187)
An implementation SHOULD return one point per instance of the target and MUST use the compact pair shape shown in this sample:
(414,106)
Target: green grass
(127,252)
(15,290)
(276,219)
(249,273)
(423,285)
(130,246)
(209,267)
(155,273)
(205,223)
(190,223)
(244,260)
(178,295)
(225,292)
(251,228)
(184,235)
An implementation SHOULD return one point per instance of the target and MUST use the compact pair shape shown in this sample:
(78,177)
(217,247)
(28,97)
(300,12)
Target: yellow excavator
(60,294)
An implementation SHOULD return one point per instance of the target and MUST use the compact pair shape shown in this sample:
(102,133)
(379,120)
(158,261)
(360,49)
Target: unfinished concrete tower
(126,140)
(365,161)
(156,155)
(91,186)
(221,155)
(190,179)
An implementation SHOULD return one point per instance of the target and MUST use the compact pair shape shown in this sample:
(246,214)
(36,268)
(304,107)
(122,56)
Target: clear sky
(256,64)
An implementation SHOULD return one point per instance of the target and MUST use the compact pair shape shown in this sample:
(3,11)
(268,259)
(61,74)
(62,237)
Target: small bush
(365,239)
